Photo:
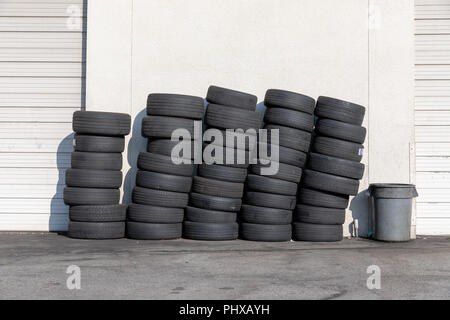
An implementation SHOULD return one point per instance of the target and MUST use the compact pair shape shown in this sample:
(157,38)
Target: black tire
(290,118)
(210,231)
(153,231)
(231,98)
(96,161)
(341,130)
(241,158)
(175,105)
(209,216)
(271,185)
(96,230)
(291,138)
(204,201)
(249,139)
(289,100)
(101,123)
(222,173)
(217,188)
(336,166)
(327,182)
(338,148)
(340,110)
(85,178)
(318,215)
(160,198)
(286,155)
(153,214)
(263,215)
(162,181)
(322,198)
(90,196)
(285,172)
(86,143)
(268,200)
(264,232)
(218,116)
(316,232)
(162,127)
(111,213)
(163,164)
(165,146)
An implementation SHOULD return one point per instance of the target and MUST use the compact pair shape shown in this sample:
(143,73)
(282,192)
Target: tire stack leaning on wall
(95,176)
(333,173)
(269,200)
(217,190)
(162,184)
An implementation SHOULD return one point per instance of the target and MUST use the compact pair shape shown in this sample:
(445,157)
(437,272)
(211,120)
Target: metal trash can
(391,207)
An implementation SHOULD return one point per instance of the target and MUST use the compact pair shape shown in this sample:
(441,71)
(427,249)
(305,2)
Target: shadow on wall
(59,212)
(360,208)
(136,144)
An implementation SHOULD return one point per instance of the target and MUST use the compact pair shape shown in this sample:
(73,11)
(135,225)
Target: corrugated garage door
(432,115)
(41,85)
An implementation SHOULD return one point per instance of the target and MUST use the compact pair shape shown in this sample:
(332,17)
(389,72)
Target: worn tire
(269,200)
(271,185)
(165,146)
(219,116)
(318,215)
(217,188)
(210,231)
(162,127)
(263,215)
(101,123)
(264,232)
(285,172)
(209,216)
(86,178)
(96,230)
(340,110)
(96,161)
(175,105)
(86,143)
(222,173)
(109,213)
(289,118)
(327,182)
(163,164)
(291,138)
(341,130)
(286,155)
(162,181)
(338,148)
(322,198)
(153,214)
(336,166)
(290,100)
(205,201)
(90,196)
(316,232)
(231,98)
(153,231)
(160,198)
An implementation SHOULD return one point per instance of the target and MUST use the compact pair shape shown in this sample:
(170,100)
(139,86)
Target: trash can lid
(393,190)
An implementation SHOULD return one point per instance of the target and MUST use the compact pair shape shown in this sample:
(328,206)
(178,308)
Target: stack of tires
(333,173)
(269,200)
(162,183)
(217,190)
(95,176)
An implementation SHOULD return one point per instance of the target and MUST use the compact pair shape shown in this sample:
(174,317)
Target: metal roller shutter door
(41,85)
(432,116)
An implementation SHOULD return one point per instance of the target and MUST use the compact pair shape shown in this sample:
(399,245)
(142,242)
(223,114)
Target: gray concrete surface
(33,266)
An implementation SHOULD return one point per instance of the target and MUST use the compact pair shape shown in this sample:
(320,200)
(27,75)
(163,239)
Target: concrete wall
(361,51)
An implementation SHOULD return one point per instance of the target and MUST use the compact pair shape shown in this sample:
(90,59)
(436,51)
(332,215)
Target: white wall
(323,47)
